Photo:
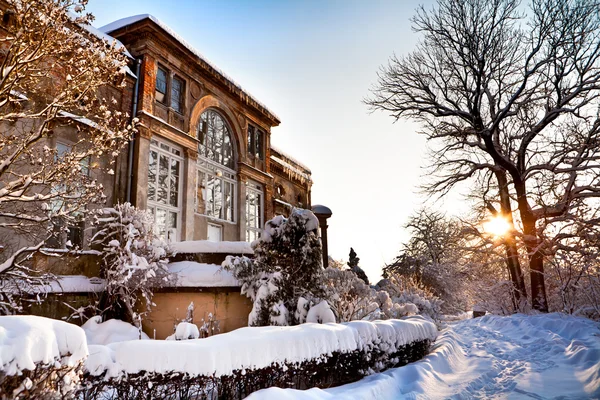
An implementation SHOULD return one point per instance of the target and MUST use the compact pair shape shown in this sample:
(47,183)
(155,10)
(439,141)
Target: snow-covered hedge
(40,357)
(236,363)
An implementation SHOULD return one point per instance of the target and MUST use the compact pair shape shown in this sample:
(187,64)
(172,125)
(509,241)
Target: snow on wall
(113,26)
(27,340)
(256,347)
(206,246)
(193,274)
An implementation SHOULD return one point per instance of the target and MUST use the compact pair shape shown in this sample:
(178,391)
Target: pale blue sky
(312,62)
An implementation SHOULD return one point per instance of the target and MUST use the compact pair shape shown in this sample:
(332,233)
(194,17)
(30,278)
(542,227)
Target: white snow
(290,158)
(258,347)
(537,357)
(27,340)
(193,274)
(113,26)
(320,313)
(205,246)
(111,331)
(292,170)
(185,331)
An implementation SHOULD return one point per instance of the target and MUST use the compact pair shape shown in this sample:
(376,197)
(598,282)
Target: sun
(497,226)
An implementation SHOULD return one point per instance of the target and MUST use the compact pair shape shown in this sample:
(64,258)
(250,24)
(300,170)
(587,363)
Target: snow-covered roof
(103,36)
(292,170)
(290,158)
(206,246)
(193,274)
(123,22)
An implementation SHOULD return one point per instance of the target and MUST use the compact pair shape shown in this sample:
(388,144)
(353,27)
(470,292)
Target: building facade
(203,163)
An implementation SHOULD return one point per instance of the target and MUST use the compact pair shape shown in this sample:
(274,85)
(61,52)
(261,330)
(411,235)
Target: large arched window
(216,184)
(215,139)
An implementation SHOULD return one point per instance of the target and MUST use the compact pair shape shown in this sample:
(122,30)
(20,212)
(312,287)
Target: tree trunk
(519,293)
(539,301)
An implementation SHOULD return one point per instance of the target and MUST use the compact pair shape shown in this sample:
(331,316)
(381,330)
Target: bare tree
(58,79)
(510,92)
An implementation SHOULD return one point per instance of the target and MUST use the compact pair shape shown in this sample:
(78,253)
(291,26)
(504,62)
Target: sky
(313,63)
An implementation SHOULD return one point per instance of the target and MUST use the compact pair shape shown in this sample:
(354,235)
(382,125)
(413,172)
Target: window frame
(211,168)
(167,101)
(166,149)
(165,93)
(257,189)
(256,141)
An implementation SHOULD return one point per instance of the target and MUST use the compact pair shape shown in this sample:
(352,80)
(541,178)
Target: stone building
(203,161)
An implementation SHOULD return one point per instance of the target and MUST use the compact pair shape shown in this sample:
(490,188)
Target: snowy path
(517,357)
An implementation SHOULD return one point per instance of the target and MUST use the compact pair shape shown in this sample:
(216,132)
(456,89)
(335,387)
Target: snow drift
(541,356)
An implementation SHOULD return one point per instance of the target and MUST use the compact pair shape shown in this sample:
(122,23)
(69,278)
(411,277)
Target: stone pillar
(140,168)
(189,194)
(323,213)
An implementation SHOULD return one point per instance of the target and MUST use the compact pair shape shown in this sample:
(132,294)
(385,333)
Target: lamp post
(323,213)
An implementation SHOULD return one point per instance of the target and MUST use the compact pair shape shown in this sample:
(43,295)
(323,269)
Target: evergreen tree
(284,279)
(353,264)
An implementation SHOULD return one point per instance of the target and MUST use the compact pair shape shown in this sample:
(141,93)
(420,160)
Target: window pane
(161,84)
(174,187)
(160,222)
(152,166)
(177,94)
(201,193)
(215,139)
(163,176)
(259,144)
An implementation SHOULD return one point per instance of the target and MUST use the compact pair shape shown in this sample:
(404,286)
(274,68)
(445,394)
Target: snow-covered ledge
(205,246)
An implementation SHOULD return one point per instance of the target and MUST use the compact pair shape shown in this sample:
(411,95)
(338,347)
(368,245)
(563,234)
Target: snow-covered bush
(234,364)
(350,298)
(134,260)
(398,296)
(185,331)
(40,358)
(111,331)
(284,279)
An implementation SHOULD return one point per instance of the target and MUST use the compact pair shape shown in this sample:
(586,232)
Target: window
(215,139)
(164,187)
(67,234)
(216,184)
(161,85)
(254,211)
(256,142)
(177,94)
(170,89)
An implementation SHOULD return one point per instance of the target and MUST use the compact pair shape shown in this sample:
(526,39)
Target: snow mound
(27,340)
(193,274)
(206,246)
(540,356)
(254,348)
(111,331)
(185,331)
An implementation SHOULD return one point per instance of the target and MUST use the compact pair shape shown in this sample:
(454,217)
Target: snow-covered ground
(530,357)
